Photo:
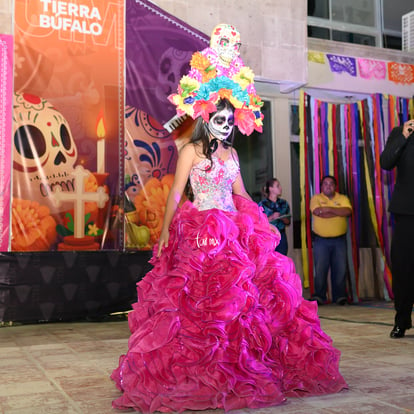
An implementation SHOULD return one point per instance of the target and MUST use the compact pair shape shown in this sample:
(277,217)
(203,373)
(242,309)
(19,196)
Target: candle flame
(100,128)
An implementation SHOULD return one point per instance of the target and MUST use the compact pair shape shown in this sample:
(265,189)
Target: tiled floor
(64,368)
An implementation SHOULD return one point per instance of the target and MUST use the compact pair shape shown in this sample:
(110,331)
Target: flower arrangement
(33,228)
(150,205)
(208,81)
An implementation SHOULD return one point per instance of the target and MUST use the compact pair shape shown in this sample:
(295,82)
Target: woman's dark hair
(202,134)
(268,184)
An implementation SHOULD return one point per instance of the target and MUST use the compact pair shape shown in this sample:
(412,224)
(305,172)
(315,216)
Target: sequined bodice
(212,188)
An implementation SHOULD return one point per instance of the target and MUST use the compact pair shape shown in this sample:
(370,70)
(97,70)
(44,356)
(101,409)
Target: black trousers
(402,267)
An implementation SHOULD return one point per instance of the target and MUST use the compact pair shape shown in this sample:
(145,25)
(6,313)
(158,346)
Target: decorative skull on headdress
(225,39)
(44,151)
(218,72)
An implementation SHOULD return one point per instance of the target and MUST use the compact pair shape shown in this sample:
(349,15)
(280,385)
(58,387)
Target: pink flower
(204,108)
(245,120)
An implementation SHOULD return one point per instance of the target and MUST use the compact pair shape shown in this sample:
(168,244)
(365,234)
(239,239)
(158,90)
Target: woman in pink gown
(220,321)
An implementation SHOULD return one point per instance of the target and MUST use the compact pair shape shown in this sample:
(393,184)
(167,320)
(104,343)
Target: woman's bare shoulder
(192,150)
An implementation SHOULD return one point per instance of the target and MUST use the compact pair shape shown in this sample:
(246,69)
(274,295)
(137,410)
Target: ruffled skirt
(220,322)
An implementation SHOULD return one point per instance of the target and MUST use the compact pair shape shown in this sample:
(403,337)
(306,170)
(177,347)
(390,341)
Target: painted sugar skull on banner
(44,167)
(44,151)
(68,120)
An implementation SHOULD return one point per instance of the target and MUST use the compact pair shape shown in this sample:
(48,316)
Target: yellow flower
(93,230)
(182,108)
(188,85)
(235,102)
(244,77)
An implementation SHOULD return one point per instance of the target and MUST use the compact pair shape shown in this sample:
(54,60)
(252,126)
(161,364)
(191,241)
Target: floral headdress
(218,72)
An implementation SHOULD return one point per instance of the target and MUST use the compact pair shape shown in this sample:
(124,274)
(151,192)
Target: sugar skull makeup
(221,124)
(225,39)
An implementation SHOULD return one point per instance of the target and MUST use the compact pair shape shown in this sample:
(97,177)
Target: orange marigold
(33,228)
(225,93)
(204,66)
(199,61)
(150,204)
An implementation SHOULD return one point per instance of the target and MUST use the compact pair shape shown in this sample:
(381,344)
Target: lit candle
(100,150)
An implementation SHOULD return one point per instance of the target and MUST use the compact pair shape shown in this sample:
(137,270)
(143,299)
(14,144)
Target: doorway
(256,156)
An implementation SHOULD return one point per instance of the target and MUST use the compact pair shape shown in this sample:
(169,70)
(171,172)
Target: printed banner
(342,64)
(158,51)
(6,93)
(67,125)
(150,161)
(401,72)
(372,69)
(317,57)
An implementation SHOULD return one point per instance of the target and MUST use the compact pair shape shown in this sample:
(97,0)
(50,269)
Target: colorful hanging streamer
(346,140)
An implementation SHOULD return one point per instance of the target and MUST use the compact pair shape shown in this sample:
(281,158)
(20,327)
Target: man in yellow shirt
(330,211)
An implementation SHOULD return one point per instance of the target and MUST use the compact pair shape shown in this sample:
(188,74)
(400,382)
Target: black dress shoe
(397,332)
(317,299)
(342,301)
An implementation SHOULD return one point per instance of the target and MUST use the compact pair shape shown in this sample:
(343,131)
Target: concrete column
(6,16)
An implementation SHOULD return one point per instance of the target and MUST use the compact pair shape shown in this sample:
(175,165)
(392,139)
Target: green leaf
(63,231)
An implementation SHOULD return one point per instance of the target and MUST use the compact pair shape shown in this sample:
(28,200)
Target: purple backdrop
(158,48)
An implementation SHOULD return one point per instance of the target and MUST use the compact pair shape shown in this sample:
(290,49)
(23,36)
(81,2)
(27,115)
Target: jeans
(330,253)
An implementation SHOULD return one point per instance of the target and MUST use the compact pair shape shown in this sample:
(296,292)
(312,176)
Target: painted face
(225,39)
(221,124)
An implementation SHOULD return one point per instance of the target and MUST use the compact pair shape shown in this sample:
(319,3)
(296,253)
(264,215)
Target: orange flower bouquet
(150,205)
(33,228)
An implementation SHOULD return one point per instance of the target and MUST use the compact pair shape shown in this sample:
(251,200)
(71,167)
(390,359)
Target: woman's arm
(239,189)
(184,163)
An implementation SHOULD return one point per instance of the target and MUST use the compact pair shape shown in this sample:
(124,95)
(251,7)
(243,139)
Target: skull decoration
(173,64)
(225,39)
(44,152)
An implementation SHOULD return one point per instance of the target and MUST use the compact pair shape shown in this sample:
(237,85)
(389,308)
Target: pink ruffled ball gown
(220,321)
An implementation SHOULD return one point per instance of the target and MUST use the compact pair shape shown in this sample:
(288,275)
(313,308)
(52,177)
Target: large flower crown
(208,81)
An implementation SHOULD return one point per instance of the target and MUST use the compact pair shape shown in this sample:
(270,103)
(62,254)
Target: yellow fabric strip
(305,263)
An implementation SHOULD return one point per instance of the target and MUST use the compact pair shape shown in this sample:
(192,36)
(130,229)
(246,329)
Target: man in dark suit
(399,153)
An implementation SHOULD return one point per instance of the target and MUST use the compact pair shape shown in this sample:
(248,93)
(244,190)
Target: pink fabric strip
(315,126)
(6,93)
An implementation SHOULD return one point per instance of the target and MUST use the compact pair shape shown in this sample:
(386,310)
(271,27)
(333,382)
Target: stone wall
(273,32)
